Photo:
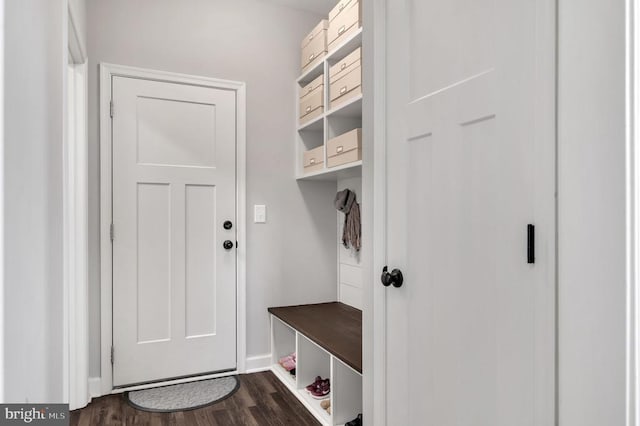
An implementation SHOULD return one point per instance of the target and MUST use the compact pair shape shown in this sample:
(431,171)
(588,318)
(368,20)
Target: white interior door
(174,186)
(470,163)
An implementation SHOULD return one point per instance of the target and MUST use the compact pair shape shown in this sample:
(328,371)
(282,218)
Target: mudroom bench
(327,341)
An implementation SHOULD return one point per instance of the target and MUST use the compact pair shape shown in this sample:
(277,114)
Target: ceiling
(321,7)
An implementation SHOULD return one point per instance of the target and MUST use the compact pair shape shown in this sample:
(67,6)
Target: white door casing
(470,337)
(174,184)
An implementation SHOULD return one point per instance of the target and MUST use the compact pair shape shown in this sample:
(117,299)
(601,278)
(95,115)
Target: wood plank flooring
(261,400)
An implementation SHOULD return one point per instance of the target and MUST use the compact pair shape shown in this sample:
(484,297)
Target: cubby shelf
(354,41)
(330,349)
(349,109)
(315,125)
(333,122)
(344,171)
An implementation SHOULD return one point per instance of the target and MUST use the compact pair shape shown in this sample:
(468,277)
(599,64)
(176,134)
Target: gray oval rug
(183,396)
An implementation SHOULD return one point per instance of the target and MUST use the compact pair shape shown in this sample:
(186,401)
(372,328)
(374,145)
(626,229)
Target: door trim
(107,71)
(632,143)
(376,392)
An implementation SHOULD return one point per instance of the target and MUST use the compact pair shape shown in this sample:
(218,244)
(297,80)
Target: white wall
(35,60)
(591,213)
(292,258)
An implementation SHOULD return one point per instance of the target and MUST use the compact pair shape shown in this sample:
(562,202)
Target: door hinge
(111,108)
(111,234)
(111,355)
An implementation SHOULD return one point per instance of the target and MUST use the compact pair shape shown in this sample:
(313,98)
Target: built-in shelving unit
(332,122)
(327,337)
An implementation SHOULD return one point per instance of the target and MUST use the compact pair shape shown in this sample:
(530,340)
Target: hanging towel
(346,202)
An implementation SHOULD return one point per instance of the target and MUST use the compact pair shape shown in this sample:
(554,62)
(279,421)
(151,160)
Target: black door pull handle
(531,244)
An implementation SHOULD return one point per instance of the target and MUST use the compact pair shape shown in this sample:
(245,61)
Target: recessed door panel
(187,139)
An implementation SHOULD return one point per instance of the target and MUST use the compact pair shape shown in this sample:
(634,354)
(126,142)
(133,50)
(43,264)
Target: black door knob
(227,224)
(394,277)
(228,245)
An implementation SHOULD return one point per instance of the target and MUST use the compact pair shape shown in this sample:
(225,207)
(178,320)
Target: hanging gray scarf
(346,203)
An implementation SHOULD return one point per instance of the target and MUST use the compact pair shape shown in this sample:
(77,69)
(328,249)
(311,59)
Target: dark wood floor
(262,400)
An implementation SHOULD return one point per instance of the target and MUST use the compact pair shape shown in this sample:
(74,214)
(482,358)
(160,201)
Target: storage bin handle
(343,90)
(339,149)
(343,66)
(341,7)
(341,30)
(312,56)
(309,108)
(312,161)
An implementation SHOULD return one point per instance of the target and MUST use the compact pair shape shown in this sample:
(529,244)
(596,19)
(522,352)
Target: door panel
(466,344)
(174,286)
(186,140)
(200,247)
(154,267)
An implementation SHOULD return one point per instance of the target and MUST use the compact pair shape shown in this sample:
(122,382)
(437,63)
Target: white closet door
(174,185)
(470,151)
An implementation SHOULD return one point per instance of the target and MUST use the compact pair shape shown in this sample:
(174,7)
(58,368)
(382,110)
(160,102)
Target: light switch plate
(260,213)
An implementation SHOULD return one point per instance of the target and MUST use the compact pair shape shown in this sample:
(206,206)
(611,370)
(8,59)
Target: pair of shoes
(325,404)
(320,388)
(288,362)
(355,422)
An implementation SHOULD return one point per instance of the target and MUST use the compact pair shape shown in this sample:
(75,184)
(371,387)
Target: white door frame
(632,143)
(375,408)
(75,236)
(107,72)
(76,280)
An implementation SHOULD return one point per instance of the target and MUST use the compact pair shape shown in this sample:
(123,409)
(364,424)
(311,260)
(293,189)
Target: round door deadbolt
(228,245)
(227,224)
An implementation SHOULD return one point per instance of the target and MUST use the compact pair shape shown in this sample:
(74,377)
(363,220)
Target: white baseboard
(95,387)
(256,364)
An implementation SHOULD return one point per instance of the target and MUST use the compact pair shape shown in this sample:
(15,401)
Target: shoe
(355,422)
(288,362)
(293,372)
(325,404)
(289,365)
(322,390)
(314,385)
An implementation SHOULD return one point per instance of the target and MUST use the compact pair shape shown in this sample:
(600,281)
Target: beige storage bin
(312,102)
(345,148)
(314,46)
(313,160)
(347,87)
(309,88)
(349,62)
(344,20)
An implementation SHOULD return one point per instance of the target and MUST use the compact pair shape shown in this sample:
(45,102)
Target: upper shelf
(350,109)
(347,46)
(336,54)
(344,171)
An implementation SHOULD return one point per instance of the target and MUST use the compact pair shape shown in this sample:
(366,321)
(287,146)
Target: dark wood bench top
(334,326)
